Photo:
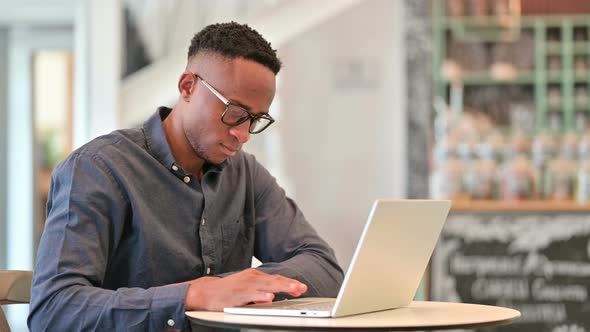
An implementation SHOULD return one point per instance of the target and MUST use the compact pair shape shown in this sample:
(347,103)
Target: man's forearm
(322,276)
(85,308)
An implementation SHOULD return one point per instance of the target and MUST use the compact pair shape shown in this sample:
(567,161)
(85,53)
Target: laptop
(386,268)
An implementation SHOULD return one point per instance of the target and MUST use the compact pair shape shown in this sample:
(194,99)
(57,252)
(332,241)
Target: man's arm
(237,289)
(287,244)
(85,216)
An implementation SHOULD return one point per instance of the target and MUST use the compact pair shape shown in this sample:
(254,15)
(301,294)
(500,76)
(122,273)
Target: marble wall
(419,44)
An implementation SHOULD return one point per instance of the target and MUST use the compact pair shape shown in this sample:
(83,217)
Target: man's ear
(186,84)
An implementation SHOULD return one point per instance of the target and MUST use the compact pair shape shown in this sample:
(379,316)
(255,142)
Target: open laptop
(386,268)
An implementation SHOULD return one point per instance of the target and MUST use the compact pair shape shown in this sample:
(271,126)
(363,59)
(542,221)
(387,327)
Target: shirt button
(175,168)
(187,179)
(208,270)
(203,221)
(171,322)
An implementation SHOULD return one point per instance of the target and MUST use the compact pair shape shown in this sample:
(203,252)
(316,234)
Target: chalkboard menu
(535,263)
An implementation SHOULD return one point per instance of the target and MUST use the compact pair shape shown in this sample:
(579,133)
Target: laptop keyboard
(312,306)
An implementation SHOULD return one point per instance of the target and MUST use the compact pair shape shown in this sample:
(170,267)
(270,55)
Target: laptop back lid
(391,256)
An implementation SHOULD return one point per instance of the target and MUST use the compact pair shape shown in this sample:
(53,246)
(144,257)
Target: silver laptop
(386,268)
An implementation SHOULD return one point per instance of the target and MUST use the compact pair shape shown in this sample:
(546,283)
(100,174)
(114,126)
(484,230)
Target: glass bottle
(562,171)
(480,177)
(584,146)
(554,97)
(580,65)
(446,180)
(581,101)
(543,150)
(518,176)
(583,182)
(497,145)
(583,176)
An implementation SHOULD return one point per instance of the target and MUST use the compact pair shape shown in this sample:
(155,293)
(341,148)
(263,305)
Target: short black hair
(234,40)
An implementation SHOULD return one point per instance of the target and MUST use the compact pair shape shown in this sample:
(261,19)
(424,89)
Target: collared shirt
(124,221)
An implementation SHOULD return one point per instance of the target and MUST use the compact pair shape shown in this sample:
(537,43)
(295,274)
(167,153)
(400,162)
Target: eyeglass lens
(235,115)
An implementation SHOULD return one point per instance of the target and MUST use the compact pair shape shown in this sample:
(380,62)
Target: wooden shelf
(525,21)
(579,48)
(523,77)
(518,206)
(485,78)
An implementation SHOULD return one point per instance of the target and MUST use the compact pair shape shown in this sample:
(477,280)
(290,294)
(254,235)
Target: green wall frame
(539,77)
(3,141)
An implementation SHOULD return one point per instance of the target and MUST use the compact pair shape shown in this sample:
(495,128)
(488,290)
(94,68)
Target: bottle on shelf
(584,146)
(582,118)
(446,180)
(559,180)
(580,65)
(581,97)
(583,177)
(583,182)
(554,114)
(580,34)
(455,8)
(553,63)
(517,179)
(543,150)
(464,132)
(478,8)
(484,65)
(553,35)
(554,97)
(517,175)
(480,179)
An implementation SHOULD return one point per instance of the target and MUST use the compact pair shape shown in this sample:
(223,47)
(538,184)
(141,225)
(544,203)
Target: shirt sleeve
(287,244)
(85,213)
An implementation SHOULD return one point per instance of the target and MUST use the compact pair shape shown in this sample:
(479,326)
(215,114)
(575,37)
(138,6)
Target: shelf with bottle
(539,62)
(511,63)
(556,77)
(579,47)
(525,21)
(494,206)
(474,160)
(581,102)
(488,77)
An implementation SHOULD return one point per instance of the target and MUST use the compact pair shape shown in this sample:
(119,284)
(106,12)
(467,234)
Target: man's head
(233,40)
(227,62)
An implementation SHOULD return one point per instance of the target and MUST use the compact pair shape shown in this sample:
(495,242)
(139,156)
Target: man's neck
(180,147)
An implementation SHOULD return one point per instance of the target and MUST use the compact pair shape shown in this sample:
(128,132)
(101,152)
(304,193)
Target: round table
(419,315)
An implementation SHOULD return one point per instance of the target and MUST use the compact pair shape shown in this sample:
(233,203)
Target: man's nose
(241,132)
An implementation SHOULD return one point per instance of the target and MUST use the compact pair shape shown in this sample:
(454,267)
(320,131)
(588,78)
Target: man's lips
(229,151)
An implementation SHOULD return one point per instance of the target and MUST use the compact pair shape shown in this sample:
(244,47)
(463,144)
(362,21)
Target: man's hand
(214,293)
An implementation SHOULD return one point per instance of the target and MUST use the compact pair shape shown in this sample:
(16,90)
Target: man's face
(243,82)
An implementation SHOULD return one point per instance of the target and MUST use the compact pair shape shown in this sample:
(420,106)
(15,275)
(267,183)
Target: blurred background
(485,102)
(73,70)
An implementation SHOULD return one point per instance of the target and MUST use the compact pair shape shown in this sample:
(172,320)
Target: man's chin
(216,161)
(212,160)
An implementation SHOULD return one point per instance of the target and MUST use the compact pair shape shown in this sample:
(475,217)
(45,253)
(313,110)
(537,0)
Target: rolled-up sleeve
(84,223)
(287,244)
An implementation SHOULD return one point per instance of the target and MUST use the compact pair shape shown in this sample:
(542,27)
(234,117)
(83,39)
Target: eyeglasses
(235,115)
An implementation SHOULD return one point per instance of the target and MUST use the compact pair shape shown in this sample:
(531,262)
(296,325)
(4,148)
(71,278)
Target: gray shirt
(124,220)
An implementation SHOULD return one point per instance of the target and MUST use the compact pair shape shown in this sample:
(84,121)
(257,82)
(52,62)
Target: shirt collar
(157,143)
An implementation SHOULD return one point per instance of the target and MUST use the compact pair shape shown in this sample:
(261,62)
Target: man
(146,223)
